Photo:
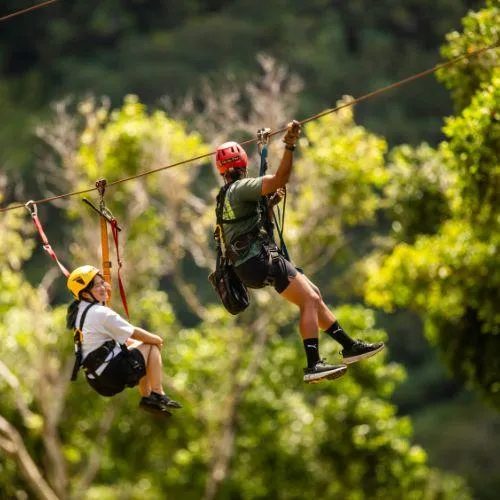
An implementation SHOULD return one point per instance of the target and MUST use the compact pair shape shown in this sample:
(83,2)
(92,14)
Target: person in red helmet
(258,261)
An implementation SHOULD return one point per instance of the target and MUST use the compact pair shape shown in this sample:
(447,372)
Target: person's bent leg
(353,350)
(144,386)
(302,294)
(154,376)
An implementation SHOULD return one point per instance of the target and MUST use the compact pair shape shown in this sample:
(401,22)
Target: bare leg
(154,372)
(325,317)
(301,293)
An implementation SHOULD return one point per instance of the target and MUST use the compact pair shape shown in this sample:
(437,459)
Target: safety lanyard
(33,210)
(106,217)
(263,142)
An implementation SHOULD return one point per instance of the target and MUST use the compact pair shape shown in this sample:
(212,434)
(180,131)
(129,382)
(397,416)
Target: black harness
(240,245)
(95,358)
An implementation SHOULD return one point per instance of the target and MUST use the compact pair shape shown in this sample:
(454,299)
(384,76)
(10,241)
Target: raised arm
(271,183)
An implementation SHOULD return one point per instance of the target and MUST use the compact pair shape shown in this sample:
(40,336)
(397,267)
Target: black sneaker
(321,371)
(158,403)
(151,405)
(360,350)
(164,400)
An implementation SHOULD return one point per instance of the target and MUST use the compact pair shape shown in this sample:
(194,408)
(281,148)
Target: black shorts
(259,270)
(124,370)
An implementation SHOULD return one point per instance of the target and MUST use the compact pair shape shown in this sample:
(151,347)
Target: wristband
(290,147)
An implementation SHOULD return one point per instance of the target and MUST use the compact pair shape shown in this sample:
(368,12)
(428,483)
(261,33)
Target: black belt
(240,245)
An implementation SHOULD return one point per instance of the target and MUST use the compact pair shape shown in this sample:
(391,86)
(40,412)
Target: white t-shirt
(102,324)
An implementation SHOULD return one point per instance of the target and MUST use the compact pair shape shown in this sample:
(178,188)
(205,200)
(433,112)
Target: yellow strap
(106,263)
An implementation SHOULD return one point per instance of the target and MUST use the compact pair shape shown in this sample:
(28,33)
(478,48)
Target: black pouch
(227,284)
(231,290)
(97,357)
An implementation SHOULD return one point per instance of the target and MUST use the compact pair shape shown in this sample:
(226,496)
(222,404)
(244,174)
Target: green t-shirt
(242,198)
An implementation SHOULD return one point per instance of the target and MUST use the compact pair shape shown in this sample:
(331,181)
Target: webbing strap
(219,210)
(45,242)
(114,231)
(280,224)
(78,342)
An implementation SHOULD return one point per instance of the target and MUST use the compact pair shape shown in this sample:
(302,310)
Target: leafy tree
(452,276)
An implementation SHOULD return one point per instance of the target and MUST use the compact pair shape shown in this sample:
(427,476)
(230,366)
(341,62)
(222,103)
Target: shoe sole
(359,357)
(314,378)
(155,410)
(175,406)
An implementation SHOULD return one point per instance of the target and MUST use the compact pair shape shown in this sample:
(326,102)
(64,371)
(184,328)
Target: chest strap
(77,338)
(221,197)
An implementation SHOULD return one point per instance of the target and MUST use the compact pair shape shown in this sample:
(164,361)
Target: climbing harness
(106,217)
(78,338)
(231,290)
(33,210)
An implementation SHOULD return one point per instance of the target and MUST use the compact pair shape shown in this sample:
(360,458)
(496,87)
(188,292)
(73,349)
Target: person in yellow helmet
(113,353)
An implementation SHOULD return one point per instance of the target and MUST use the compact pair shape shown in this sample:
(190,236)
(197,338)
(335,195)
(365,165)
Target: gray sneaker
(321,371)
(361,350)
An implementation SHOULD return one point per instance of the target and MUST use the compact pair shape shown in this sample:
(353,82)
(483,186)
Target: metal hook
(100,184)
(33,211)
(263,135)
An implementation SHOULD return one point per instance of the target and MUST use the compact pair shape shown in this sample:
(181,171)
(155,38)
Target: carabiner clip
(263,136)
(33,211)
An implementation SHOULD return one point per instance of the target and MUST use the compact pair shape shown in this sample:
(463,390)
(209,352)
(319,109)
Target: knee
(145,350)
(313,299)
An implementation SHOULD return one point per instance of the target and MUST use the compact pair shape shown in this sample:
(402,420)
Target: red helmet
(230,155)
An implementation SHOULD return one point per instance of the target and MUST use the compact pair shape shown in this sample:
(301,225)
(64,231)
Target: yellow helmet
(80,278)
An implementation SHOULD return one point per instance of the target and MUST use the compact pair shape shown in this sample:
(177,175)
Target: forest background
(393,211)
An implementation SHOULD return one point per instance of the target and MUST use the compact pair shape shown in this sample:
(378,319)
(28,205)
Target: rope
(29,9)
(306,120)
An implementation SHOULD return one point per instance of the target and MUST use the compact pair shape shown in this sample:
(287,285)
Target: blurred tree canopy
(161,48)
(449,272)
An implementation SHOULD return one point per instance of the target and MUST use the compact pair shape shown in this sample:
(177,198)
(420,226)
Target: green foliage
(415,196)
(157,209)
(452,277)
(472,152)
(480,29)
(338,181)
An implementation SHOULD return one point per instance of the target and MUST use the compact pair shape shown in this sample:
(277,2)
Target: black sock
(312,351)
(336,332)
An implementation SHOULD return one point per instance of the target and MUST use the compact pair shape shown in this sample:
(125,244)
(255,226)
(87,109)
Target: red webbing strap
(114,230)
(45,241)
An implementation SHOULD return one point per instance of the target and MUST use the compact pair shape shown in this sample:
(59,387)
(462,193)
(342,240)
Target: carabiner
(263,136)
(33,212)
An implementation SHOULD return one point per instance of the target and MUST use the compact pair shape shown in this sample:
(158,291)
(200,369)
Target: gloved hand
(292,133)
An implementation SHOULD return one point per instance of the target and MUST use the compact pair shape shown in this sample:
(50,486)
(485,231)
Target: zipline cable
(393,85)
(306,120)
(29,9)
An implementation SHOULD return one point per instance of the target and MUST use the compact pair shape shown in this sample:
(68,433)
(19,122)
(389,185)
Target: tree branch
(223,452)
(95,458)
(12,444)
